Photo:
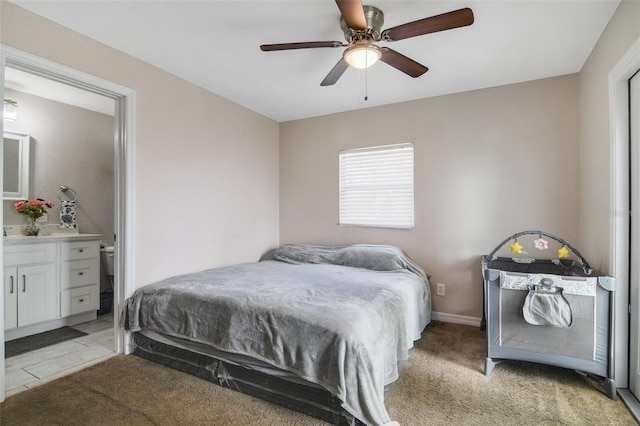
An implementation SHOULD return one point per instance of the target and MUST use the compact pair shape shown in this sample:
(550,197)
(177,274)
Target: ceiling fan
(362,27)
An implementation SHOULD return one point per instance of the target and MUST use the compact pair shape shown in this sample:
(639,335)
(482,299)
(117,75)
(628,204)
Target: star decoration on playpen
(515,247)
(563,252)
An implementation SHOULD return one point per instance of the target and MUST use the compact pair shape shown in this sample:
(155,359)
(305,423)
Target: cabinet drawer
(27,254)
(78,300)
(78,273)
(79,250)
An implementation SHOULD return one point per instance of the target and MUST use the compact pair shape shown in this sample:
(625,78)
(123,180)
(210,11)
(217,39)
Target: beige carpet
(443,384)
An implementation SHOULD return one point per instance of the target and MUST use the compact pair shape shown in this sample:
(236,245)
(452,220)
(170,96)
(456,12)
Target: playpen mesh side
(578,340)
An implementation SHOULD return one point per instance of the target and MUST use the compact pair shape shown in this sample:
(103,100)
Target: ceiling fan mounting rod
(354,36)
(374,18)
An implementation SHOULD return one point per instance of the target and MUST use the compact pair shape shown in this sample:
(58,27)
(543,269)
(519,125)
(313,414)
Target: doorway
(124,125)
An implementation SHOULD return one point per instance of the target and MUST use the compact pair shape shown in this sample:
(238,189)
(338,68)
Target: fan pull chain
(366,77)
(366,84)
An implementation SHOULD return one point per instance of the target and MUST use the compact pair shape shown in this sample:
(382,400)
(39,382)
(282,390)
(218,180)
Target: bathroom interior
(68,134)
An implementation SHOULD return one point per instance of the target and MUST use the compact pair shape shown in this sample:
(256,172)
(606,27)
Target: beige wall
(488,163)
(206,179)
(595,160)
(595,180)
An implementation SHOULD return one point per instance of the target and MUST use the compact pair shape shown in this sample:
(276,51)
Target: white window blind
(376,186)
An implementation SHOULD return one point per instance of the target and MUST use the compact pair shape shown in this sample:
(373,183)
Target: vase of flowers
(33,210)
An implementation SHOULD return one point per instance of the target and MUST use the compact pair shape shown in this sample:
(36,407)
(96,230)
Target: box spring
(310,400)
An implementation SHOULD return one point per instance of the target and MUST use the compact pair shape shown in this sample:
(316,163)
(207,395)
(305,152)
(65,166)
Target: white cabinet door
(10,298)
(37,294)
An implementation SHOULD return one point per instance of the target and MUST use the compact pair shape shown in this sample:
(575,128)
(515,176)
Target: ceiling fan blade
(402,63)
(335,73)
(446,21)
(353,13)
(303,45)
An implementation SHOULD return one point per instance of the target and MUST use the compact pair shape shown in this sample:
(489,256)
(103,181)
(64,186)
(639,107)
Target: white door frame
(634,283)
(124,161)
(620,213)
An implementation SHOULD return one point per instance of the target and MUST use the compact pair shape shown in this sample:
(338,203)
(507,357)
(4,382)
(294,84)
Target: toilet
(106,296)
(107,253)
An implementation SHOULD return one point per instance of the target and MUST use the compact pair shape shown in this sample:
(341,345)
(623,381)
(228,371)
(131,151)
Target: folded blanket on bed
(343,318)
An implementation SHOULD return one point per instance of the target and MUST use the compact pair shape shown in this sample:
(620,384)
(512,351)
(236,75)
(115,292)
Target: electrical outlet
(440,289)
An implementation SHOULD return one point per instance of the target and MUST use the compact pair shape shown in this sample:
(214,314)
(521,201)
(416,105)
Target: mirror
(16,166)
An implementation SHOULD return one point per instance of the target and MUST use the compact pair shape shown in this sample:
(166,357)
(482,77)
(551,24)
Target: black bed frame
(313,401)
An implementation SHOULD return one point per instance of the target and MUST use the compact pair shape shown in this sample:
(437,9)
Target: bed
(571,325)
(321,330)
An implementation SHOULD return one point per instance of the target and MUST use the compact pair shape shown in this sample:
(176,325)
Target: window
(376,186)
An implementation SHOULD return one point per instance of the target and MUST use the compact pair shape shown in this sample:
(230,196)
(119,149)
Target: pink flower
(33,208)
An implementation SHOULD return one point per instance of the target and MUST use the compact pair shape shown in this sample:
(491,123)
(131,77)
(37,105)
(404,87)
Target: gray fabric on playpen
(547,306)
(531,350)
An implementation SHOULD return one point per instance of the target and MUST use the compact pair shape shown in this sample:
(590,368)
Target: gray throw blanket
(341,317)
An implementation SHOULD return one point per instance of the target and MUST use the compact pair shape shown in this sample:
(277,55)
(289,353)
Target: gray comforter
(341,317)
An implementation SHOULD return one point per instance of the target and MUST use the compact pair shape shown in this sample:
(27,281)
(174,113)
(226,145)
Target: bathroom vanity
(49,282)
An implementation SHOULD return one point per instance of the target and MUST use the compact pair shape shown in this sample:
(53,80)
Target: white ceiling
(215,45)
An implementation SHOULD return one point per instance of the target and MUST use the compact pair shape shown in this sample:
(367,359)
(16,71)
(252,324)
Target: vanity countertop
(22,239)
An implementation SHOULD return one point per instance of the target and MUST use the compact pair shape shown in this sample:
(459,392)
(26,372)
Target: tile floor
(31,369)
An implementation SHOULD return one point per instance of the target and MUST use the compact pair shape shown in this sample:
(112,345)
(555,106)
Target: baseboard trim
(456,319)
(631,402)
(28,330)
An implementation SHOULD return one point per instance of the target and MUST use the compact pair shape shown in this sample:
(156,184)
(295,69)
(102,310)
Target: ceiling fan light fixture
(362,56)
(10,111)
